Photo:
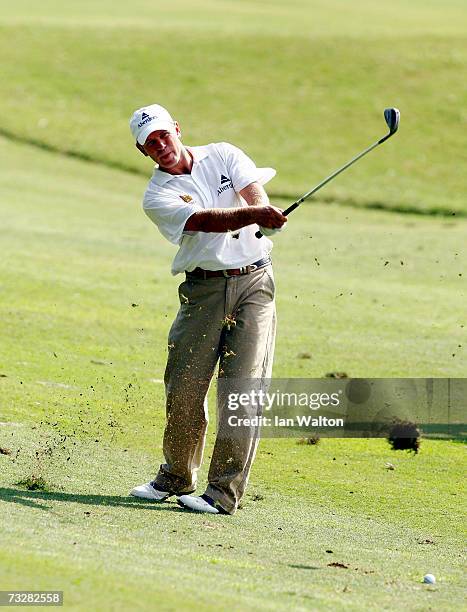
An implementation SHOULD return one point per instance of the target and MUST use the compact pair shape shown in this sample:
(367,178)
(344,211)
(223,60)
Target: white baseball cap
(148,119)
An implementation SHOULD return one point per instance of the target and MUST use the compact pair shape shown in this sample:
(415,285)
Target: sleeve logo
(186,198)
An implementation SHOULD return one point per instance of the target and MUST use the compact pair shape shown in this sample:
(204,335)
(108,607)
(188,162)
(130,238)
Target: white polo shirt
(220,170)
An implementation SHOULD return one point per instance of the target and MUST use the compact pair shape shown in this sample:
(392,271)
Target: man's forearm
(231,219)
(220,220)
(258,211)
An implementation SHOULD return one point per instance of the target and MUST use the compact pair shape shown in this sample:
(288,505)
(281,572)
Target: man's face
(163,147)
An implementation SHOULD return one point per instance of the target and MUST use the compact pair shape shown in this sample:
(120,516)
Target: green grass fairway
(371,281)
(86,304)
(107,551)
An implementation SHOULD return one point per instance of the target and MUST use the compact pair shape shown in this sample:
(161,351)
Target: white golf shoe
(147,491)
(200,504)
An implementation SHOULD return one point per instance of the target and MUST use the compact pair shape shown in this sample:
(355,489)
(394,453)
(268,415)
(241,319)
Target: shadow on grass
(36,499)
(304,567)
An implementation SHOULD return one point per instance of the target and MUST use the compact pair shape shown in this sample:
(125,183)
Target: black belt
(200,273)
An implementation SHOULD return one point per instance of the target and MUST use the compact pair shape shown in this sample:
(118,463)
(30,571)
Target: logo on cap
(145,119)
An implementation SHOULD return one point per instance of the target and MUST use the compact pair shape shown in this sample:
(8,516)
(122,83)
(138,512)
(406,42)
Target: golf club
(392,117)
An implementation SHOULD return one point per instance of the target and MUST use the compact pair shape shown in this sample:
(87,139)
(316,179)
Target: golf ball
(429,579)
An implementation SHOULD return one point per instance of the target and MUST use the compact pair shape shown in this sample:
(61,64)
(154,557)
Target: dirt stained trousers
(231,321)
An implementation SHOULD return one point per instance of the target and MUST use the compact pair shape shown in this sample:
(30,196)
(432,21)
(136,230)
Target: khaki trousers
(230,321)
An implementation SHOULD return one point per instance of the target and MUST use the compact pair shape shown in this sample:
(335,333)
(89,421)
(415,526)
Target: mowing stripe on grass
(432,211)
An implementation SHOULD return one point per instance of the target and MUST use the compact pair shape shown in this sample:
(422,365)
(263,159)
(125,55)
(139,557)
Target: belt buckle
(243,270)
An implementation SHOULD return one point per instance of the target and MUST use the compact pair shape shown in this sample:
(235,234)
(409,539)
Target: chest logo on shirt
(186,198)
(226,183)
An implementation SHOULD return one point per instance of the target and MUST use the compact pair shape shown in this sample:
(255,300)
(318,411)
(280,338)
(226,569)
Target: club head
(392,117)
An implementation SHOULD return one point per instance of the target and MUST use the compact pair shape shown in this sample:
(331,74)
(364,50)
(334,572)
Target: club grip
(292,207)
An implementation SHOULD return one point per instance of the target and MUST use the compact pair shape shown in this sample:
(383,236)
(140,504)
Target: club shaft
(333,175)
(329,178)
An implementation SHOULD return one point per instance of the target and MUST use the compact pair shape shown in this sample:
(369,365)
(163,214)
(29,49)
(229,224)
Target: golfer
(209,201)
